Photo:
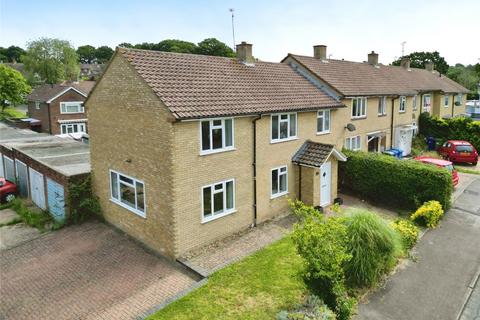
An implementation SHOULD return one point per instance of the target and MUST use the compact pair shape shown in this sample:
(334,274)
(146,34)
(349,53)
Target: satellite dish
(350,127)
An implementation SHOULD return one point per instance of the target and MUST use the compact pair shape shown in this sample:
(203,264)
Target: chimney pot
(373,58)
(430,66)
(244,53)
(405,63)
(320,52)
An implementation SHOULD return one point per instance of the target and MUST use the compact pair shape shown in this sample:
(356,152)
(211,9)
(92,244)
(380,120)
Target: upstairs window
(359,107)
(37,105)
(445,101)
(414,103)
(71,107)
(323,121)
(353,143)
(216,135)
(427,103)
(458,99)
(284,126)
(279,181)
(218,200)
(403,104)
(382,106)
(128,192)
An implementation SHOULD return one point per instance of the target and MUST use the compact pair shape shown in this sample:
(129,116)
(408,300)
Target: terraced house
(187,149)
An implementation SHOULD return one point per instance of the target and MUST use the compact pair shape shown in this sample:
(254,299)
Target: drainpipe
(49,119)
(300,182)
(391,124)
(254,164)
(453,105)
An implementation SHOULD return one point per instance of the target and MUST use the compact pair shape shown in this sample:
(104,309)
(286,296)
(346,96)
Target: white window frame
(212,127)
(363,110)
(37,105)
(349,145)
(322,115)
(280,120)
(403,104)
(226,211)
(67,125)
(426,108)
(71,103)
(382,106)
(458,98)
(118,200)
(446,100)
(279,193)
(414,103)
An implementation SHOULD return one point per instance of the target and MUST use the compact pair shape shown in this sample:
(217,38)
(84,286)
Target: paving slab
(7,216)
(14,235)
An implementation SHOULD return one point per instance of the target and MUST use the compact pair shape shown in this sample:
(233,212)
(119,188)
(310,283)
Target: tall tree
(418,60)
(173,45)
(214,47)
(11,54)
(103,54)
(86,54)
(54,60)
(126,45)
(466,76)
(13,87)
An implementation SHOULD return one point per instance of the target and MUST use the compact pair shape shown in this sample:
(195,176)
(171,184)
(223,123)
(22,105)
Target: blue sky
(350,29)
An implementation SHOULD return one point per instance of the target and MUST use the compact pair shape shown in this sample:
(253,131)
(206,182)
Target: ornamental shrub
(373,245)
(313,308)
(407,230)
(429,214)
(401,183)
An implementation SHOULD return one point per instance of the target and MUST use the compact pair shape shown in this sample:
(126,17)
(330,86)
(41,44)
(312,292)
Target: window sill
(402,111)
(138,213)
(323,133)
(283,140)
(382,115)
(72,112)
(205,153)
(278,195)
(359,118)
(217,216)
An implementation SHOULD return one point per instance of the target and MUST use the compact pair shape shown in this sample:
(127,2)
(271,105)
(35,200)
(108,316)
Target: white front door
(37,189)
(325,183)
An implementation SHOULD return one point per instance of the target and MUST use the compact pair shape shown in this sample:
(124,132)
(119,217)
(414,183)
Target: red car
(441,163)
(8,190)
(459,151)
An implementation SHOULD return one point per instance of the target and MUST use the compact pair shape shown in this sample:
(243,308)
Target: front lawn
(257,287)
(11,112)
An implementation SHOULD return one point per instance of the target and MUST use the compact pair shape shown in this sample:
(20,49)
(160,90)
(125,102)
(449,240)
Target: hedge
(460,128)
(402,183)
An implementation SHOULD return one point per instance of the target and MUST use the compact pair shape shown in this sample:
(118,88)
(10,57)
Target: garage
(37,189)
(56,200)
(22,178)
(9,169)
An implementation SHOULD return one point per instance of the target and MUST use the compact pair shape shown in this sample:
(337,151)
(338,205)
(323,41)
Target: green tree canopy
(13,87)
(126,45)
(214,47)
(11,54)
(418,59)
(173,45)
(54,60)
(103,54)
(467,76)
(86,54)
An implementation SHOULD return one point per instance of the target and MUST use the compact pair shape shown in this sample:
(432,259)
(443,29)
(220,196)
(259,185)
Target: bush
(374,247)
(407,230)
(459,128)
(38,219)
(313,308)
(82,201)
(401,183)
(429,214)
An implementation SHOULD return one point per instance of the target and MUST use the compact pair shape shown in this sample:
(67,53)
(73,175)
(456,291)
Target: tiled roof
(357,78)
(312,153)
(196,86)
(46,92)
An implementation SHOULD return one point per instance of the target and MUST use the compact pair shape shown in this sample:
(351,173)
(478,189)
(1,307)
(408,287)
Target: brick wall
(55,113)
(40,114)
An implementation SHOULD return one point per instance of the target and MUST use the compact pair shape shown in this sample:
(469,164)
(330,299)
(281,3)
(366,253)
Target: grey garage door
(22,178)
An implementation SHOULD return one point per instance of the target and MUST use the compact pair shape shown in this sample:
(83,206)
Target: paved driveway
(89,271)
(438,284)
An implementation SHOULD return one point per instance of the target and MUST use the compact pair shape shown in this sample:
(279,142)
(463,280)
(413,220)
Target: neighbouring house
(43,167)
(91,71)
(60,108)
(384,102)
(187,149)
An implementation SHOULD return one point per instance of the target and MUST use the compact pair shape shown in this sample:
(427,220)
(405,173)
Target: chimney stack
(244,53)
(320,52)
(373,58)
(429,65)
(405,63)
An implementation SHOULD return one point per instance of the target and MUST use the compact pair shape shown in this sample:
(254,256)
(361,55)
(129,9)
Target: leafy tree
(466,76)
(11,54)
(418,60)
(3,54)
(86,54)
(126,45)
(103,54)
(53,60)
(13,87)
(214,47)
(173,45)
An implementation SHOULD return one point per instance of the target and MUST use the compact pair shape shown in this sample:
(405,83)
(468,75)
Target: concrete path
(438,285)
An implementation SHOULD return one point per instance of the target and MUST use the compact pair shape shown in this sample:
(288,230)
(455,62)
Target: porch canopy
(314,154)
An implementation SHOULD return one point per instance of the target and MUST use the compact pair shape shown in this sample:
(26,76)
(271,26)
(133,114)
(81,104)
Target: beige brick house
(187,149)
(384,102)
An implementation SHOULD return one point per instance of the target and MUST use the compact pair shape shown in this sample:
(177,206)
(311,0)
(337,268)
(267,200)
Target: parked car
(441,163)
(459,151)
(8,190)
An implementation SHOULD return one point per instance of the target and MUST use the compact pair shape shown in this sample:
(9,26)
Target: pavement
(87,271)
(13,232)
(443,282)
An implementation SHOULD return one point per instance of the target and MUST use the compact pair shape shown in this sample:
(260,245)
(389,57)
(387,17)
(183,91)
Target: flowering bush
(407,230)
(429,214)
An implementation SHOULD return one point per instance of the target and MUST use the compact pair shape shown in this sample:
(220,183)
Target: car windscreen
(449,167)
(464,148)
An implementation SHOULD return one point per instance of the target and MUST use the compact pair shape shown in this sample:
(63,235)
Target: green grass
(257,287)
(464,170)
(31,215)
(11,112)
